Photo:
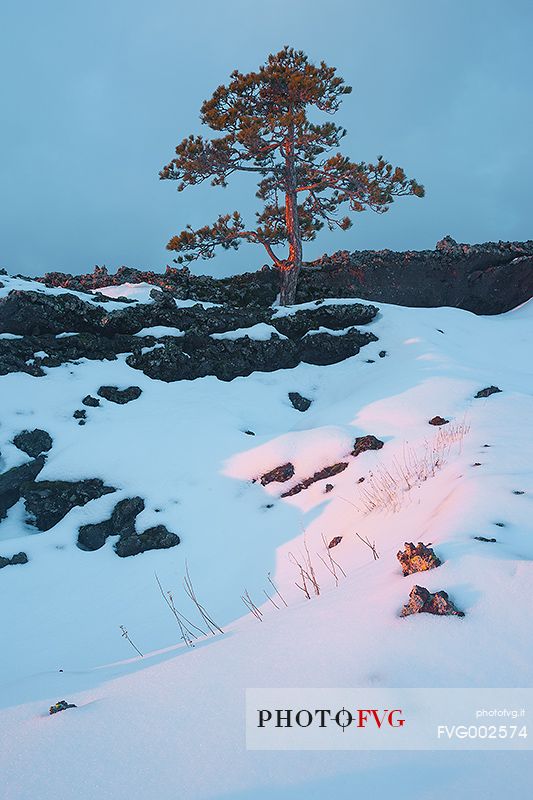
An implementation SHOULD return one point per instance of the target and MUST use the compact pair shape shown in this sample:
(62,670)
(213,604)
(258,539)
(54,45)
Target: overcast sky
(95,96)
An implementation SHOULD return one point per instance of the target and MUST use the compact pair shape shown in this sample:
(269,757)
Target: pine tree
(263,120)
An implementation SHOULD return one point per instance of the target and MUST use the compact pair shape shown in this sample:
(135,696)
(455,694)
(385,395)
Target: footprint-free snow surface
(171,724)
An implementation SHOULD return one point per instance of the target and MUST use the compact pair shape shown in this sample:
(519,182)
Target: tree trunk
(289,282)
(289,275)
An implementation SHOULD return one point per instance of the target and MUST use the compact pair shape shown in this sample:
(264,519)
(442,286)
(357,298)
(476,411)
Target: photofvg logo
(304,717)
(388,719)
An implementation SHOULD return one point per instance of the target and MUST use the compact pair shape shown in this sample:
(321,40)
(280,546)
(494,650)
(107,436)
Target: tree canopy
(302,180)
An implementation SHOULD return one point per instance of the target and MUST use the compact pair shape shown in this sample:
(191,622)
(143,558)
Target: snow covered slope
(171,724)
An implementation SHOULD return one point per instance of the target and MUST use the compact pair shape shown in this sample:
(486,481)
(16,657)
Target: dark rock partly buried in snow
(124,515)
(278,474)
(61,705)
(299,402)
(197,355)
(417,559)
(163,298)
(47,502)
(363,443)
(93,536)
(89,400)
(327,472)
(12,481)
(438,421)
(156,538)
(196,319)
(102,335)
(28,312)
(421,601)
(33,443)
(17,355)
(484,539)
(487,392)
(18,558)
(326,348)
(121,523)
(120,396)
(334,317)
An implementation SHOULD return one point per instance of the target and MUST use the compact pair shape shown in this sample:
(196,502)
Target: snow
(159,331)
(261,332)
(171,724)
(287,311)
(322,329)
(191,303)
(139,292)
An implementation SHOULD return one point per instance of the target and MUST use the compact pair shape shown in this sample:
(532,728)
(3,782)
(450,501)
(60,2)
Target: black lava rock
(121,523)
(421,600)
(299,402)
(334,317)
(196,356)
(484,278)
(156,538)
(47,502)
(61,705)
(327,472)
(29,313)
(363,443)
(438,421)
(18,558)
(12,481)
(278,474)
(91,401)
(417,559)
(325,348)
(487,392)
(124,515)
(120,396)
(93,536)
(33,442)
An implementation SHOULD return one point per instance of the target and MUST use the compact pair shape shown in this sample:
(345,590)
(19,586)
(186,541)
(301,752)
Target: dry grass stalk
(308,578)
(251,606)
(271,600)
(185,625)
(330,564)
(276,590)
(210,623)
(125,635)
(371,545)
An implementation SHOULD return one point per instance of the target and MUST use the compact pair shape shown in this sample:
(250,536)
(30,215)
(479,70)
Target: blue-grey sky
(95,95)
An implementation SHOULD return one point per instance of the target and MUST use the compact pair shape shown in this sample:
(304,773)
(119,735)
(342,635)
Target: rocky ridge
(487,278)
